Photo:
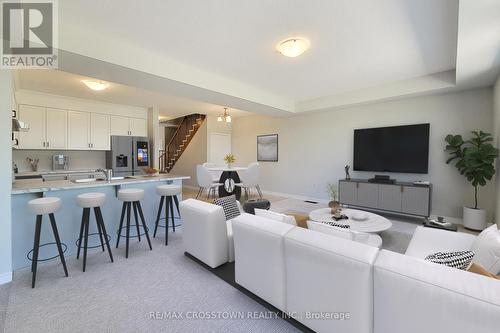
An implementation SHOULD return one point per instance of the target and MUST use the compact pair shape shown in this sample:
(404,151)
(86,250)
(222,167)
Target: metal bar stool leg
(138,204)
(58,242)
(99,230)
(100,220)
(137,223)
(36,245)
(167,207)
(86,212)
(82,224)
(172,212)
(158,215)
(128,229)
(121,224)
(177,205)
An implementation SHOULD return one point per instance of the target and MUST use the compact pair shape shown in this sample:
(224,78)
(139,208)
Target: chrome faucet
(108,173)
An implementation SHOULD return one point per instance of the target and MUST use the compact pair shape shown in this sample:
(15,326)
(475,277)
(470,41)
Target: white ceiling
(68,84)
(355,44)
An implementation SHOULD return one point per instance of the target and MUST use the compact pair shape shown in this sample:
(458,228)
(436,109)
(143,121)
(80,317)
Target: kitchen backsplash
(77,159)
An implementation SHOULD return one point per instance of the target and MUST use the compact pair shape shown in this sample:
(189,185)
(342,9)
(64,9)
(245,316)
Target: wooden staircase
(180,141)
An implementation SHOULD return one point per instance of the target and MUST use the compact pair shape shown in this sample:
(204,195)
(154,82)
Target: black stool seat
(250,205)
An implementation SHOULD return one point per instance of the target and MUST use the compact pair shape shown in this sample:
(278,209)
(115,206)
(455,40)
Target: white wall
(315,147)
(5,176)
(496,122)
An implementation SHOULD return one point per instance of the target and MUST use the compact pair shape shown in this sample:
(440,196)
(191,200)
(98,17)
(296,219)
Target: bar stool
(87,201)
(168,195)
(132,197)
(40,207)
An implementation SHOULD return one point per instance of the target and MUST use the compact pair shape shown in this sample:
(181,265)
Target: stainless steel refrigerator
(128,156)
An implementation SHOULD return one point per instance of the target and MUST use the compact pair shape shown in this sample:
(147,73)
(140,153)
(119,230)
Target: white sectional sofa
(333,284)
(379,291)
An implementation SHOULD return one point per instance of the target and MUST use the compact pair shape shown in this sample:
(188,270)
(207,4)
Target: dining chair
(205,181)
(215,175)
(250,178)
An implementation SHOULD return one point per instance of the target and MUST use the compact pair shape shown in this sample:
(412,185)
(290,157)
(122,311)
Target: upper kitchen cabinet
(34,116)
(128,126)
(47,128)
(138,127)
(119,125)
(88,131)
(57,129)
(100,131)
(79,130)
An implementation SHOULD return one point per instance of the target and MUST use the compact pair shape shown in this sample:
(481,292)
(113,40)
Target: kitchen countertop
(37,185)
(54,172)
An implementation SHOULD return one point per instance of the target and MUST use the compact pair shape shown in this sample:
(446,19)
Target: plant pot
(474,219)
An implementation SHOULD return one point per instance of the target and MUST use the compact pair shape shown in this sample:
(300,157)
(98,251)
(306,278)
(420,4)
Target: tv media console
(398,197)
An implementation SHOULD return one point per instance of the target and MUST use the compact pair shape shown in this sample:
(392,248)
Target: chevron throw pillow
(229,205)
(460,259)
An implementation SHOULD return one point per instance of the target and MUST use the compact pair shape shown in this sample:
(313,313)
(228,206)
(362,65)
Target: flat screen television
(403,149)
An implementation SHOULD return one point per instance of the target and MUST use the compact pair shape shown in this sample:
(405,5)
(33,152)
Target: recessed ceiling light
(96,85)
(293,47)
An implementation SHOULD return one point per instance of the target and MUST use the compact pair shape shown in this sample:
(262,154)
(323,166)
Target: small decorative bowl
(150,172)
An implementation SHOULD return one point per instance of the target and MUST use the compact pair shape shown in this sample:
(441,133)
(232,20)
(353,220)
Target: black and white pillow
(229,205)
(338,225)
(459,259)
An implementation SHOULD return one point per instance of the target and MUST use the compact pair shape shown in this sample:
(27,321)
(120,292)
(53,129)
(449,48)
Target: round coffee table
(373,224)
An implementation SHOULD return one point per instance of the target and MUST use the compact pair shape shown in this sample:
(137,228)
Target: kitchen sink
(86,180)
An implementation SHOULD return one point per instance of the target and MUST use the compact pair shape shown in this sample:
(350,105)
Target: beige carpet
(119,297)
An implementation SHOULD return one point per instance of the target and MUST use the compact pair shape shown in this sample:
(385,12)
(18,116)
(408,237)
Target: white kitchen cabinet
(57,126)
(34,116)
(120,125)
(128,126)
(138,127)
(100,131)
(78,130)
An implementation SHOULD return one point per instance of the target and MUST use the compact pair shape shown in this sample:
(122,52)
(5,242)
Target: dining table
(228,178)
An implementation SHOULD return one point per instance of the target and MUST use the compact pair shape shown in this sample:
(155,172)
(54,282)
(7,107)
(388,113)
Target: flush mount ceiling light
(96,85)
(224,117)
(293,47)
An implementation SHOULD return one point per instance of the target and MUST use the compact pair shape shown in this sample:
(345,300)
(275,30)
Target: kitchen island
(69,216)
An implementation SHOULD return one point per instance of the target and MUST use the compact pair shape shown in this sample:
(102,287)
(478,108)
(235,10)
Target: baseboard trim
(295,196)
(5,278)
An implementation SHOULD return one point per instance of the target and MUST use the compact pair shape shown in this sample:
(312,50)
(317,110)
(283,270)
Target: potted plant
(334,204)
(229,159)
(474,158)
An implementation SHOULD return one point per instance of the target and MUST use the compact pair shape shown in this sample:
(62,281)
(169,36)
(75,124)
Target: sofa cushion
(414,296)
(487,249)
(231,209)
(259,257)
(459,259)
(360,237)
(275,216)
(326,275)
(429,240)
